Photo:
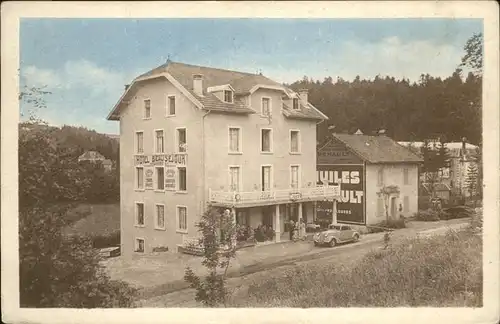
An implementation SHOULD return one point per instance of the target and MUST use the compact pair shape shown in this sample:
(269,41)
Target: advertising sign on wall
(148,178)
(351,205)
(170,177)
(336,153)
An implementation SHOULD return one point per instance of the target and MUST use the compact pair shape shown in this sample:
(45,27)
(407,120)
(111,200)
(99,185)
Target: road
(345,254)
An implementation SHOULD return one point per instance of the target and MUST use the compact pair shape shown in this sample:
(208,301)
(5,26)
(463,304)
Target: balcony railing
(238,198)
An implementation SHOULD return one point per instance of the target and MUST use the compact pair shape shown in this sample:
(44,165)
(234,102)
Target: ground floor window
(380,207)
(406,204)
(160,216)
(182,218)
(139,245)
(139,214)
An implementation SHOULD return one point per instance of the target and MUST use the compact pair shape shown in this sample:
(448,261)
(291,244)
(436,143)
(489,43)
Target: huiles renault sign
(336,165)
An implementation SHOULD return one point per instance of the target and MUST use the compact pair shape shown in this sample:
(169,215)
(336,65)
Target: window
(294,141)
(147,108)
(181,140)
(139,245)
(182,219)
(266,106)
(228,96)
(139,178)
(266,178)
(160,178)
(381,177)
(234,178)
(406,204)
(294,176)
(160,216)
(139,142)
(405,176)
(170,105)
(380,207)
(295,103)
(159,141)
(139,214)
(234,140)
(181,174)
(266,140)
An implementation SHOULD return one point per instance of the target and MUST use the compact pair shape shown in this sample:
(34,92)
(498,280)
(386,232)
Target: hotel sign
(161,159)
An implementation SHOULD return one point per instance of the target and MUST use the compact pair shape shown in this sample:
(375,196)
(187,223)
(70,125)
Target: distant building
(461,155)
(378,178)
(441,190)
(96,157)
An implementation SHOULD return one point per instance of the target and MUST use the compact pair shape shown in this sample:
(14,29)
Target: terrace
(242,199)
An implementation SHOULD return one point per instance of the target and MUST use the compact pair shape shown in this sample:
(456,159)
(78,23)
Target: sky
(85,63)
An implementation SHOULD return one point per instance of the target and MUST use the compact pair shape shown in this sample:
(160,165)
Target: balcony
(262,198)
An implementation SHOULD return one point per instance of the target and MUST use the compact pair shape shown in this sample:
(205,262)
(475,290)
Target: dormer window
(295,103)
(228,96)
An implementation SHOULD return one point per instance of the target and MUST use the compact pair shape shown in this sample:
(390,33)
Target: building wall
(187,115)
(393,175)
(250,161)
(214,144)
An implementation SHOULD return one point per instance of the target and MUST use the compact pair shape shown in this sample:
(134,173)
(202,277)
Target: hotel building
(193,137)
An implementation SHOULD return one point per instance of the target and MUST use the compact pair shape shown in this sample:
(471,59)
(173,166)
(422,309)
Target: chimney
(126,87)
(303,94)
(198,84)
(463,144)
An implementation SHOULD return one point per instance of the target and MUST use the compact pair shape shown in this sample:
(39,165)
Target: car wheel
(332,243)
(356,237)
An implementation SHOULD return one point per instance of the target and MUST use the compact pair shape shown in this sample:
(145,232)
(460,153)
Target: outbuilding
(378,179)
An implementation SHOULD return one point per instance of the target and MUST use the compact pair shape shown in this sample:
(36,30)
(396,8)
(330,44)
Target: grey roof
(304,112)
(91,155)
(378,149)
(241,82)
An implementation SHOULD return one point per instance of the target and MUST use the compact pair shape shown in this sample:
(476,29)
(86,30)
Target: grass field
(95,219)
(439,271)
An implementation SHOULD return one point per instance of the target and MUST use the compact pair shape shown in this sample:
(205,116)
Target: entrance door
(393,208)
(267,216)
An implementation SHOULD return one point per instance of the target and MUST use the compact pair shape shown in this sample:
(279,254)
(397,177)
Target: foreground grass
(439,271)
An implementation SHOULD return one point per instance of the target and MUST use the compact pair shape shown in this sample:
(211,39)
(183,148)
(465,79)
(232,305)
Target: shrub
(106,240)
(391,223)
(218,239)
(428,215)
(456,212)
(160,249)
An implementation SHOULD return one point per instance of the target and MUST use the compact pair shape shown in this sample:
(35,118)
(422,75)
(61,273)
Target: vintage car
(335,234)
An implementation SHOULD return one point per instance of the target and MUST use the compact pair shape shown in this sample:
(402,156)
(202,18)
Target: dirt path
(240,280)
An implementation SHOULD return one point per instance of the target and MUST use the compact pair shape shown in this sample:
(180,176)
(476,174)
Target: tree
(478,159)
(56,270)
(472,179)
(59,271)
(473,57)
(218,241)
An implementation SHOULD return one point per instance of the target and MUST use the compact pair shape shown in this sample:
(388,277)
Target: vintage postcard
(260,162)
